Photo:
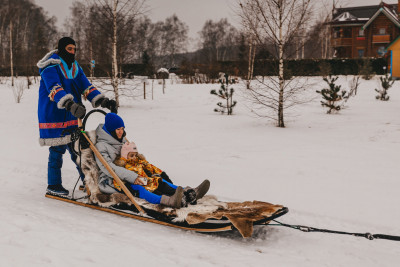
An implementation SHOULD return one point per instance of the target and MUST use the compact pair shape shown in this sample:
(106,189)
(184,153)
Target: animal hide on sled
(242,215)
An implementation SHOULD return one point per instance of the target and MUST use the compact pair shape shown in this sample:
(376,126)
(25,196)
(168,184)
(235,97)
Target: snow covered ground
(336,171)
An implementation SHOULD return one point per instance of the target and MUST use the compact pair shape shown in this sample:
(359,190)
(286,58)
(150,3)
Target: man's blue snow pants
(55,163)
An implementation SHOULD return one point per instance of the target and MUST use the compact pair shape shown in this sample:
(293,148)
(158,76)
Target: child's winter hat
(127,148)
(113,122)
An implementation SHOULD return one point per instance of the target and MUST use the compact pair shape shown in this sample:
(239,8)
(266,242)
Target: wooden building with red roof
(364,31)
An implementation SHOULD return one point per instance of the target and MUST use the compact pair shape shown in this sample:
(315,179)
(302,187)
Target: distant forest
(27,33)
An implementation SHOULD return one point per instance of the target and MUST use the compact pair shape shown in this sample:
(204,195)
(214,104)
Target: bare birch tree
(252,56)
(325,34)
(216,40)
(11,44)
(250,25)
(276,22)
(174,37)
(117,18)
(11,54)
(114,77)
(323,28)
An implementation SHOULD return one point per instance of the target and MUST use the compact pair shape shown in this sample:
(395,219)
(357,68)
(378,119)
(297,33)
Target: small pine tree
(333,95)
(386,83)
(225,93)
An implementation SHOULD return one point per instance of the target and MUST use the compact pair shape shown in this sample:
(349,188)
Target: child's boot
(173,201)
(189,196)
(202,189)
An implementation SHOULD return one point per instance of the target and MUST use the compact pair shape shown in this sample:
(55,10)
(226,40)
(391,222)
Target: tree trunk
(227,95)
(252,54)
(144,90)
(249,65)
(325,42)
(152,89)
(253,57)
(281,70)
(91,60)
(11,54)
(163,86)
(114,51)
(1,41)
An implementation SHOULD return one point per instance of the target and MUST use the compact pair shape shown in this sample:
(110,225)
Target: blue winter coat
(58,84)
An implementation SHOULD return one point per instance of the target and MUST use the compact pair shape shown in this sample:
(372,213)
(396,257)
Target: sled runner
(207,226)
(208,215)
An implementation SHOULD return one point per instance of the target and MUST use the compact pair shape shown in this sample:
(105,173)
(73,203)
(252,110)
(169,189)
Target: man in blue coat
(60,105)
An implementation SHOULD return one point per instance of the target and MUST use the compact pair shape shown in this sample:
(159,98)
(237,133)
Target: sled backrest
(91,171)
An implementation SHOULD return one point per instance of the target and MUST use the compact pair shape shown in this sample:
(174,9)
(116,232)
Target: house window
(336,32)
(360,52)
(382,31)
(347,32)
(360,32)
(381,51)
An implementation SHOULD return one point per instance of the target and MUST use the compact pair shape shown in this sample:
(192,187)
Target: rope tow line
(313,229)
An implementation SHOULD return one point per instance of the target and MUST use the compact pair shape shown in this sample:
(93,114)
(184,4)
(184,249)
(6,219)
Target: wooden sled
(130,211)
(209,215)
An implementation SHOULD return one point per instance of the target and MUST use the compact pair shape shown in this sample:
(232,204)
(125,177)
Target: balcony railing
(342,42)
(381,38)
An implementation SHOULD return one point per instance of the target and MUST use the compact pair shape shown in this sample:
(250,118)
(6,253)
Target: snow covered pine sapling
(225,93)
(386,83)
(333,95)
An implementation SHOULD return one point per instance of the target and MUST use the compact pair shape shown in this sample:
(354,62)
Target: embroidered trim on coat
(57,125)
(57,88)
(73,70)
(64,71)
(88,90)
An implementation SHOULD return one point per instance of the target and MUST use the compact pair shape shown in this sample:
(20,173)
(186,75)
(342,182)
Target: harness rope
(78,153)
(313,229)
(83,143)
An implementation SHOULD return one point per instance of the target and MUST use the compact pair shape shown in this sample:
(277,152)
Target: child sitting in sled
(138,163)
(110,140)
(154,179)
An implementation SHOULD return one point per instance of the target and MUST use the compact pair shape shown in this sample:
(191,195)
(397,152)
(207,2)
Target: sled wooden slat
(206,230)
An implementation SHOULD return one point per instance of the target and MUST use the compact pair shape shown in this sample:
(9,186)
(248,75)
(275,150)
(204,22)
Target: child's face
(132,155)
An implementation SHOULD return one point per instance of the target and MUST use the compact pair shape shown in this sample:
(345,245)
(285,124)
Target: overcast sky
(193,12)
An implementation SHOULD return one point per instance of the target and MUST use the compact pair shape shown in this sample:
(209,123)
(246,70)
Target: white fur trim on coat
(46,60)
(64,99)
(55,141)
(97,97)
